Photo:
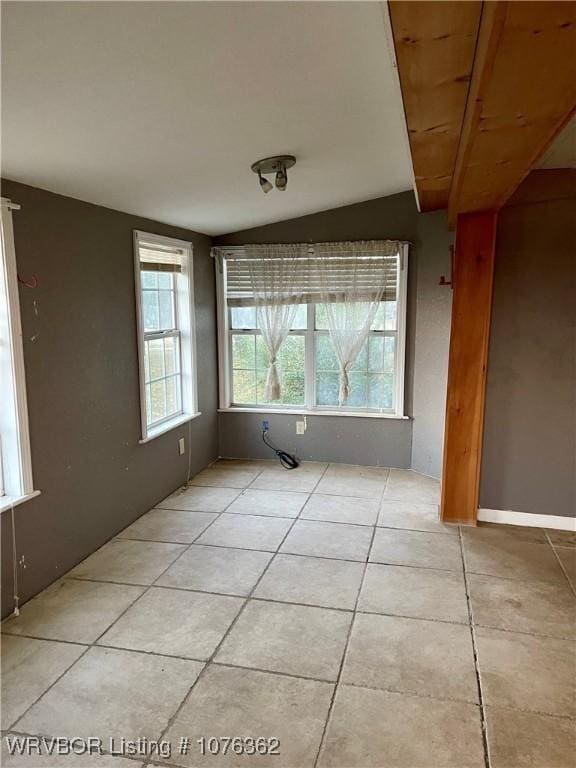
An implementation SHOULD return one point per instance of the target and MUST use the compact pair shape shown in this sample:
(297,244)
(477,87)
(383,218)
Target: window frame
(16,481)
(225,333)
(184,317)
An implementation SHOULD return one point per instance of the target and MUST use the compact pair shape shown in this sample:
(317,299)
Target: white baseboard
(527,518)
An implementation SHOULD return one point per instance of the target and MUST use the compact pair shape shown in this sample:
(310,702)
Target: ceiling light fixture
(278,165)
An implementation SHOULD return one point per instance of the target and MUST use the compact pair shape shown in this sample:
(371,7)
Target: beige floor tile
(168,525)
(532,606)
(247,532)
(527,672)
(303,479)
(175,623)
(501,554)
(526,740)
(76,611)
(518,532)
(230,477)
(419,549)
(413,516)
(562,538)
(11,758)
(346,542)
(295,639)
(270,503)
(312,580)
(245,702)
(29,667)
(216,569)
(196,499)
(244,464)
(426,658)
(567,556)
(406,485)
(112,693)
(341,509)
(350,480)
(128,562)
(379,729)
(414,592)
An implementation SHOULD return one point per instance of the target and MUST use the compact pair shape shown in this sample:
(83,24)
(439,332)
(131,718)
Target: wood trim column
(471,307)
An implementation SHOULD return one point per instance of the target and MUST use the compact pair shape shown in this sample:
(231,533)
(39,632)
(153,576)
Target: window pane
(171,356)
(292,388)
(150,310)
(327,385)
(243,317)
(358,391)
(244,387)
(158,401)
(375,353)
(166,304)
(156,357)
(389,353)
(381,391)
(243,351)
(149,279)
(165,280)
(361,362)
(301,318)
(291,355)
(326,359)
(172,395)
(262,356)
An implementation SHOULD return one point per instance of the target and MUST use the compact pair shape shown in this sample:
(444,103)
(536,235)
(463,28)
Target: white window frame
(225,353)
(185,320)
(16,484)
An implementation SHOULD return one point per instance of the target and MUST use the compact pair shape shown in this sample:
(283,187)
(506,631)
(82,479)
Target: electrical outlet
(265,426)
(181,446)
(300,427)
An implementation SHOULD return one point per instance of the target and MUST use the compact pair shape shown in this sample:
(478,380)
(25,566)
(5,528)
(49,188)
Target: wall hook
(33,283)
(443,280)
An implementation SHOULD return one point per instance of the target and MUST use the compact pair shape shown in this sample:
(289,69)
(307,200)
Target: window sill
(304,412)
(167,426)
(8,502)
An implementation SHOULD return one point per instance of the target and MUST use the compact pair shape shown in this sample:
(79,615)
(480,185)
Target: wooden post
(471,306)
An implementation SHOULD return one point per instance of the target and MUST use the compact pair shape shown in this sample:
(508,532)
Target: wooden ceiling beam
(522,93)
(434,44)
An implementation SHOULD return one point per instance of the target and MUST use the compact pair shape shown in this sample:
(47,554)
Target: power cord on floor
(287,460)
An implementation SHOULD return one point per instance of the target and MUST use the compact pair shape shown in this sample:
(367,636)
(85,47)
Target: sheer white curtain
(353,282)
(276,294)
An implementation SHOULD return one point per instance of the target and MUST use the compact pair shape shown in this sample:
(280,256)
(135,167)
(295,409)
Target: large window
(307,360)
(15,460)
(166,332)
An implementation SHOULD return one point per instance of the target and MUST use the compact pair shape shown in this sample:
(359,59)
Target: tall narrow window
(165,332)
(15,460)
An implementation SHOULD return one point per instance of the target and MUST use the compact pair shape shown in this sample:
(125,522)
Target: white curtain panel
(276,295)
(351,304)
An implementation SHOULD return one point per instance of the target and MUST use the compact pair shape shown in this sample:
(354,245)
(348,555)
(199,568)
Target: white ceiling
(159,109)
(562,152)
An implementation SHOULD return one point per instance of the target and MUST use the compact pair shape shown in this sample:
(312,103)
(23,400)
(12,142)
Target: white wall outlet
(181,446)
(300,427)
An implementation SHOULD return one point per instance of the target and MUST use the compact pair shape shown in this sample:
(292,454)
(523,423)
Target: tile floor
(326,608)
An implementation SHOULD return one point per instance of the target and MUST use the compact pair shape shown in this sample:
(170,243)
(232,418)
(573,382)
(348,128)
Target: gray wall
(529,460)
(80,350)
(358,440)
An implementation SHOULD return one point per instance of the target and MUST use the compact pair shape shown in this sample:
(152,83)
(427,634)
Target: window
(165,332)
(15,460)
(307,360)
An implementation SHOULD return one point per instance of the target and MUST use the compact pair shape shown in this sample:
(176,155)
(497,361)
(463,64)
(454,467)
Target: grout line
(560,563)
(483,721)
(225,636)
(323,737)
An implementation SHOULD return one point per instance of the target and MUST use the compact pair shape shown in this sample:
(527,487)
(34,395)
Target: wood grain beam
(522,93)
(434,44)
(471,307)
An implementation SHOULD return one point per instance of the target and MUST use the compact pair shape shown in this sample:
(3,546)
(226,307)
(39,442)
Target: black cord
(287,460)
